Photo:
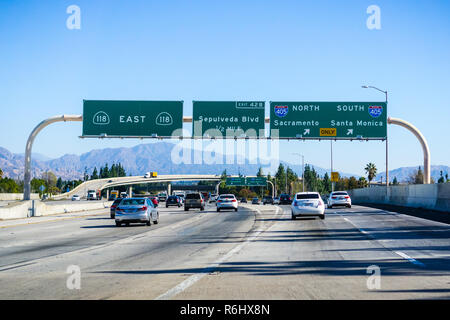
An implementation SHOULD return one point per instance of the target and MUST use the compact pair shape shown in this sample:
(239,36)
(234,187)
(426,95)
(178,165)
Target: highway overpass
(109,183)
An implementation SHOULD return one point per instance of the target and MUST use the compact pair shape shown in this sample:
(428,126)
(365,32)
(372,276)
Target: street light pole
(387,149)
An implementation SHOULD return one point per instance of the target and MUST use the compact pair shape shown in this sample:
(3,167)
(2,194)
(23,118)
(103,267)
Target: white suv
(227,201)
(339,198)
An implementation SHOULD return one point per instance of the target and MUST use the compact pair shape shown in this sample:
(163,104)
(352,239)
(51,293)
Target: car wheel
(118,224)
(322,217)
(186,209)
(157,219)
(202,208)
(149,222)
(218,210)
(127,224)
(112,216)
(236,209)
(330,207)
(349,206)
(292,216)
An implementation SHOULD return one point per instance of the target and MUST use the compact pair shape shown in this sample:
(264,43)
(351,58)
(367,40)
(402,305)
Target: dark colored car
(112,209)
(255,201)
(267,199)
(285,199)
(194,200)
(173,201)
(244,200)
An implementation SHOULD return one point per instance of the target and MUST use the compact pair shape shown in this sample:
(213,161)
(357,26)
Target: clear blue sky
(226,50)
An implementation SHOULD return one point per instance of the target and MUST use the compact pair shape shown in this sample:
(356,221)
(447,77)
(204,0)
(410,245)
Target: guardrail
(428,196)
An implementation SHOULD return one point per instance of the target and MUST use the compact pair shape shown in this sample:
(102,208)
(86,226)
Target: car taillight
(219,200)
(295,203)
(113,206)
(144,208)
(347,197)
(234,200)
(333,197)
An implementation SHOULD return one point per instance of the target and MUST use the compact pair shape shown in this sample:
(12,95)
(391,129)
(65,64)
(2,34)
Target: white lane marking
(401,254)
(128,239)
(194,278)
(410,259)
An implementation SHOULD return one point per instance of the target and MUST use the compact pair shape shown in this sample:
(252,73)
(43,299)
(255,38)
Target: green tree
(352,183)
(441,178)
(362,182)
(94,174)
(8,185)
(59,183)
(50,178)
(395,182)
(326,183)
(280,177)
(1,173)
(419,177)
(371,171)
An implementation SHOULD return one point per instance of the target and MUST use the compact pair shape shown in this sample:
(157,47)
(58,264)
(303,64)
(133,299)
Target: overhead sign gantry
(332,120)
(120,118)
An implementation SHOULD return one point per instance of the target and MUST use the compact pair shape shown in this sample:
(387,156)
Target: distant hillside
(404,173)
(136,161)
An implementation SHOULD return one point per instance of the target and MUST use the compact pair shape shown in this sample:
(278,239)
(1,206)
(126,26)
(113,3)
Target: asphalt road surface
(255,253)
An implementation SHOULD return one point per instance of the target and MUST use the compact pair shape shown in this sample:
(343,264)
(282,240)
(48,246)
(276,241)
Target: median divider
(36,208)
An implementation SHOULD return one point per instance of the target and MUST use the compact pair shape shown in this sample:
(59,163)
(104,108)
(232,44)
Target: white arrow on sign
(306,132)
(349,131)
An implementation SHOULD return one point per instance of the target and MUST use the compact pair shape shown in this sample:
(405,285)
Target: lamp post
(303,169)
(387,151)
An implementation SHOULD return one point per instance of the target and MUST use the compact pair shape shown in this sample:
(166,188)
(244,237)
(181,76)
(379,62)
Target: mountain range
(154,157)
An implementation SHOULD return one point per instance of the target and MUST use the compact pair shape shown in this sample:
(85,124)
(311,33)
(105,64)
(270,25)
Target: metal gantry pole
(29,147)
(331,173)
(423,143)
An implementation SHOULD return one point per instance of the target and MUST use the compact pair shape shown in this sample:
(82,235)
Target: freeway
(255,253)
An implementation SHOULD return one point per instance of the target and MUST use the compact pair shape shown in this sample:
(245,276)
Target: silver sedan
(136,210)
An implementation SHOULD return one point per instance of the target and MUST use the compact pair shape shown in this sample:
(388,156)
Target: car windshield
(308,196)
(193,196)
(132,202)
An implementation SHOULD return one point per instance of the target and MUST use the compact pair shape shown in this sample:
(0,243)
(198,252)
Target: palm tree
(371,171)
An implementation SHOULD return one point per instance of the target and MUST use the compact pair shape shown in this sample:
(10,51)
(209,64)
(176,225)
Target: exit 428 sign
(340,120)
(131,118)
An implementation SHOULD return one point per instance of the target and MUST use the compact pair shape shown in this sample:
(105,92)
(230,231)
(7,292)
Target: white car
(276,200)
(339,198)
(76,197)
(307,204)
(227,201)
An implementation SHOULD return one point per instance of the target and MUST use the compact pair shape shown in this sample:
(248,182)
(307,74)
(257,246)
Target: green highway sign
(235,181)
(104,118)
(246,181)
(228,118)
(256,181)
(328,120)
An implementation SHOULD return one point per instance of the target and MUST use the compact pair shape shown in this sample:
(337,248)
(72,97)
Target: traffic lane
(309,258)
(413,237)
(135,267)
(22,243)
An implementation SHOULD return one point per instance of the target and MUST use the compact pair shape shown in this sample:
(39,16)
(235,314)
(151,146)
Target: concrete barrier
(22,209)
(16,196)
(428,196)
